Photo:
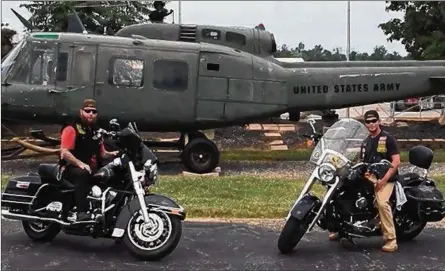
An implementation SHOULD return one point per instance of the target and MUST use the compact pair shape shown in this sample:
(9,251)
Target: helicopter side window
(83,69)
(170,75)
(211,34)
(236,38)
(126,72)
(62,67)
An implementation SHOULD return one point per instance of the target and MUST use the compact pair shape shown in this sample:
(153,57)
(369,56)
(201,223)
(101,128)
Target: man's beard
(85,121)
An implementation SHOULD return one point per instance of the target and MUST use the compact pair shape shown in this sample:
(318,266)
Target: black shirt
(382,146)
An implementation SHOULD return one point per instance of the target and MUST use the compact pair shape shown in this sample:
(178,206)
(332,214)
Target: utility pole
(348,31)
(348,41)
(179,12)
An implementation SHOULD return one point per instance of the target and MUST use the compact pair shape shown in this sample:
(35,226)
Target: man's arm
(67,143)
(392,150)
(106,154)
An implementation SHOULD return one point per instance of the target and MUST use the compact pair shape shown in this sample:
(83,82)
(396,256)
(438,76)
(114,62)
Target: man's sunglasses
(94,111)
(371,121)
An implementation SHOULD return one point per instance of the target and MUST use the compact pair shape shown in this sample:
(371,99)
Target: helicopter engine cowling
(255,41)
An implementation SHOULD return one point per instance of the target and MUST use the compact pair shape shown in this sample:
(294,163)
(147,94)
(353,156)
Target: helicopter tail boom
(318,86)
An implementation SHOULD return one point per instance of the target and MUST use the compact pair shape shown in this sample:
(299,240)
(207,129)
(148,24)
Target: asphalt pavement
(222,246)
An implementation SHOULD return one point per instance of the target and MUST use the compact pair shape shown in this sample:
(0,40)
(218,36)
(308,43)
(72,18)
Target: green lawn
(294,155)
(237,196)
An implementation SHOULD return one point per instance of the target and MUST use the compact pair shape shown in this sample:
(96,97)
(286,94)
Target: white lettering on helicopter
(346,88)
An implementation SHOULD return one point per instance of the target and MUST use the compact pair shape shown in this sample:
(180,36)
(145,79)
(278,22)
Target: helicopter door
(171,83)
(120,82)
(79,65)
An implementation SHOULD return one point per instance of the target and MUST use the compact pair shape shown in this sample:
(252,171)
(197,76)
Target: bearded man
(82,151)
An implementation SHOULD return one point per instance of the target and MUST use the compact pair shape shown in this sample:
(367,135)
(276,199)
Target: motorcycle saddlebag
(429,199)
(20,191)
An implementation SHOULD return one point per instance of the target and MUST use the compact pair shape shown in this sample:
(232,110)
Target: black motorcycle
(121,204)
(348,207)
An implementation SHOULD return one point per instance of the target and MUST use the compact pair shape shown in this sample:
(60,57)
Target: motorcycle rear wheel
(409,234)
(46,233)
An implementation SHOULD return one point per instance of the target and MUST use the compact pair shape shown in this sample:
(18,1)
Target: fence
(422,109)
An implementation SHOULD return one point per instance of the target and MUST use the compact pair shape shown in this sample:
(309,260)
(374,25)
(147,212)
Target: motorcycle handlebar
(378,169)
(109,133)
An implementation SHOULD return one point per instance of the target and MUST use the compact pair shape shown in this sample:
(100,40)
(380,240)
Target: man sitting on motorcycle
(82,151)
(377,146)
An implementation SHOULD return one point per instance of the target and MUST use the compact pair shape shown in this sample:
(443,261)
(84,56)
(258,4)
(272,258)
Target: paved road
(209,246)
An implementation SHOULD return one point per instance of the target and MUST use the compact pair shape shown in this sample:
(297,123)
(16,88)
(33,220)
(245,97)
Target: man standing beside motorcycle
(377,146)
(82,151)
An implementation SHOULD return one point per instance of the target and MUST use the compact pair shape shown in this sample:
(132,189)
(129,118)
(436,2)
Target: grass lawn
(295,155)
(237,196)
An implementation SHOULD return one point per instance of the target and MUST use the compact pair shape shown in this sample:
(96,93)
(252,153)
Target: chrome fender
(154,202)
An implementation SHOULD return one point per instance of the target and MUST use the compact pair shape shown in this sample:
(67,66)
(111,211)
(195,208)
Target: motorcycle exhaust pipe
(8,215)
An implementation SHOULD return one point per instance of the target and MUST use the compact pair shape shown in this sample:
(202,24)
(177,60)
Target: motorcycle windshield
(344,137)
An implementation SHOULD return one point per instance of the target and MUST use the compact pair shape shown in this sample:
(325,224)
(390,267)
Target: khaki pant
(385,212)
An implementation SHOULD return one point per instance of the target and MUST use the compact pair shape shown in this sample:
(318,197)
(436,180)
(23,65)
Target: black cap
(371,114)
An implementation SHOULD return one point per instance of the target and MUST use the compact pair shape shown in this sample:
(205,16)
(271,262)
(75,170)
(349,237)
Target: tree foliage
(318,53)
(422,31)
(95,15)
(7,38)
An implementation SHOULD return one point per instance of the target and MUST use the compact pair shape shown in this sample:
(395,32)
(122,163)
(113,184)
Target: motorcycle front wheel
(153,241)
(293,230)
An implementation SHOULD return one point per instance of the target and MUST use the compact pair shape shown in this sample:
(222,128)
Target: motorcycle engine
(361,203)
(355,205)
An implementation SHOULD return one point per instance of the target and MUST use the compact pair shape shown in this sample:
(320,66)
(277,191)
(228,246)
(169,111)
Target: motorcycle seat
(409,179)
(49,173)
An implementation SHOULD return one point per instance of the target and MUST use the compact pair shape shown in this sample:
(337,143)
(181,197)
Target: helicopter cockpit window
(170,75)
(35,65)
(211,34)
(236,38)
(126,72)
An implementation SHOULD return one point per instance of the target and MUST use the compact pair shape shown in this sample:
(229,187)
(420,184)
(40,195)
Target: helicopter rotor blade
(75,25)
(25,22)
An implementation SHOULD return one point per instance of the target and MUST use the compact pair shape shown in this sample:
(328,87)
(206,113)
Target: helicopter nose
(23,102)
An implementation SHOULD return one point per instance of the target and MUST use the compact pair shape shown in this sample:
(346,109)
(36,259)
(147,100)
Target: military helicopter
(189,78)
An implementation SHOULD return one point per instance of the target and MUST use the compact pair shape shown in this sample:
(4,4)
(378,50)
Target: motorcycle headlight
(327,173)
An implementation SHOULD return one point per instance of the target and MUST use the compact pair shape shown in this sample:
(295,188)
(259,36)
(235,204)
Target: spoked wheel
(200,155)
(153,240)
(41,231)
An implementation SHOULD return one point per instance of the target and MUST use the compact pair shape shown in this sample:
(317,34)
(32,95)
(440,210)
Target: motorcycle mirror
(114,125)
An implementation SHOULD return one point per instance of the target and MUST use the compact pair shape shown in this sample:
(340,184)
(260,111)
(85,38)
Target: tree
(52,15)
(318,53)
(7,39)
(422,30)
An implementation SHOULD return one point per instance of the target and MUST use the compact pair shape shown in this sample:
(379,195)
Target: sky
(292,22)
